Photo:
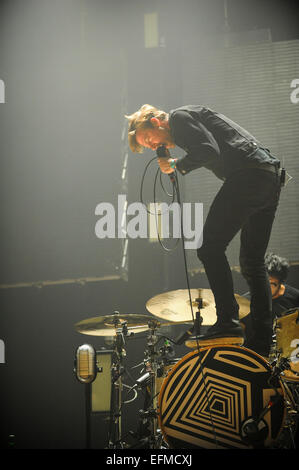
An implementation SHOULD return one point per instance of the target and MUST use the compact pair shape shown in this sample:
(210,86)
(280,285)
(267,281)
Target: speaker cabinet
(101,386)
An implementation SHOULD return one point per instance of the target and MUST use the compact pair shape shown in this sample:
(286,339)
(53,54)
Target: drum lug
(151,413)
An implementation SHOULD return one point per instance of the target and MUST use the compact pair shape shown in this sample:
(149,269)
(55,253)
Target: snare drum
(210,395)
(287,342)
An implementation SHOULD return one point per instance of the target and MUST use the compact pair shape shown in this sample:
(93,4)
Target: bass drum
(211,398)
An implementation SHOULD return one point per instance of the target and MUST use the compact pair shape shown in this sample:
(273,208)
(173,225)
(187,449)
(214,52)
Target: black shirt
(287,301)
(213,141)
(290,299)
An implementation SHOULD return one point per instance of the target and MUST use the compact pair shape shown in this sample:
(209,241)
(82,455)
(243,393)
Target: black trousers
(247,201)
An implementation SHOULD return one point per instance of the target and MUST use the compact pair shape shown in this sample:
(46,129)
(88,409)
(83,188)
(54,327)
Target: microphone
(254,432)
(85,364)
(162,152)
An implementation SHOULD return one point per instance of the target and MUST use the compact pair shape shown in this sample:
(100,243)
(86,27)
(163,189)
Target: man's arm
(200,145)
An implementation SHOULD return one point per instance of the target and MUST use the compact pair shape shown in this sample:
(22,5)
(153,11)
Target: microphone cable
(176,192)
(176,183)
(172,195)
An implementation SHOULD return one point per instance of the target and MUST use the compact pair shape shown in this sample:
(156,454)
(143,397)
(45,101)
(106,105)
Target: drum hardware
(280,365)
(175,306)
(187,416)
(285,366)
(195,329)
(255,430)
(286,439)
(144,380)
(292,406)
(119,327)
(156,361)
(107,325)
(166,351)
(150,415)
(117,370)
(287,342)
(198,317)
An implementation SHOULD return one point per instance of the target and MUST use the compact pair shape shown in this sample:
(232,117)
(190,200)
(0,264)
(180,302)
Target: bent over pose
(247,201)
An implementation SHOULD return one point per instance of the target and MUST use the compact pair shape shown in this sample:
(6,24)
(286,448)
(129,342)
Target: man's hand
(164,164)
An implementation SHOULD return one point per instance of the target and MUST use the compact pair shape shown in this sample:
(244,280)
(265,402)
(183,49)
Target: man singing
(247,201)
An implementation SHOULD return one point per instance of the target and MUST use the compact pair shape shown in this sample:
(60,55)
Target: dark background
(71,70)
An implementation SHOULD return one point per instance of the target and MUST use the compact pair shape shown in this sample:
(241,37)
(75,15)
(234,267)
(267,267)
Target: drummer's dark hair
(277,266)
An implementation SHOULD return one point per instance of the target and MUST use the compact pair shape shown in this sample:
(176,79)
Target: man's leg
(226,216)
(255,236)
(239,198)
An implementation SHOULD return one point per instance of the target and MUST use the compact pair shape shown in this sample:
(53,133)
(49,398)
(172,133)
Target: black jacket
(213,141)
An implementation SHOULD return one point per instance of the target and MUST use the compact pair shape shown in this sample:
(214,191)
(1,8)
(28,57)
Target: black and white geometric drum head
(212,397)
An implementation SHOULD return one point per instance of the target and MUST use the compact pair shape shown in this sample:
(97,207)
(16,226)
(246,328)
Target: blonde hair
(139,120)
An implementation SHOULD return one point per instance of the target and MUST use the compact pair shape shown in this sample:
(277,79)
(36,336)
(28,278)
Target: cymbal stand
(117,370)
(198,319)
(152,367)
(280,364)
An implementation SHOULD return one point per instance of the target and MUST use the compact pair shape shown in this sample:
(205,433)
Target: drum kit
(219,395)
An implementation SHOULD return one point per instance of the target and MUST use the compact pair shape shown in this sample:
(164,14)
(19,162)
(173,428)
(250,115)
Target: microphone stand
(88,415)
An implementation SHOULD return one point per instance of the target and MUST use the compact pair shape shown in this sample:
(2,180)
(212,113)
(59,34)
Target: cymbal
(107,325)
(175,305)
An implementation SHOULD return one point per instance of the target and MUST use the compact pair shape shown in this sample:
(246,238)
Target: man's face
(154,137)
(275,286)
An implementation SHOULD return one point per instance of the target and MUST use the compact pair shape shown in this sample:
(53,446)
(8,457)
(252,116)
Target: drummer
(284,296)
